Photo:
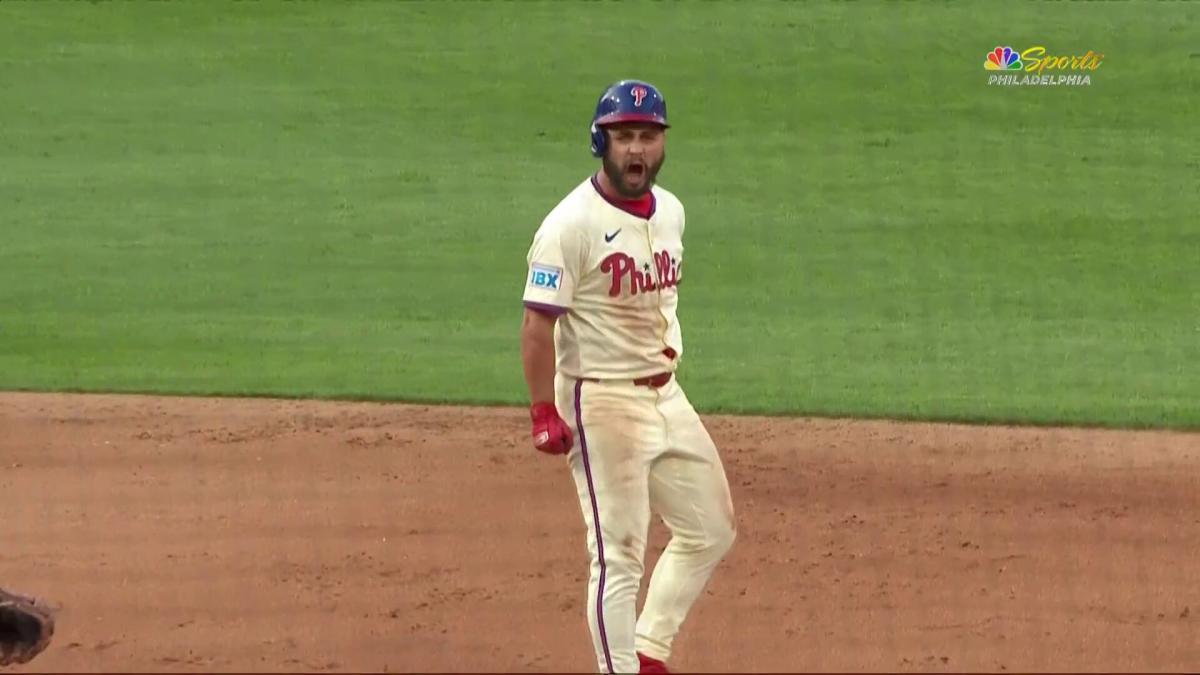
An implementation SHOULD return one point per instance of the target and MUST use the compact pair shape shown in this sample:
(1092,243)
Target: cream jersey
(612,278)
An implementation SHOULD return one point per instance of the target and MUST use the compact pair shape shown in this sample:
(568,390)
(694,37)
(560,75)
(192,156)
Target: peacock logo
(1002,58)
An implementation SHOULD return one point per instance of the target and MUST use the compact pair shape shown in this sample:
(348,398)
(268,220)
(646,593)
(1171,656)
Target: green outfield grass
(335,199)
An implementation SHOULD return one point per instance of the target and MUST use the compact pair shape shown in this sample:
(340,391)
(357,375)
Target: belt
(654,381)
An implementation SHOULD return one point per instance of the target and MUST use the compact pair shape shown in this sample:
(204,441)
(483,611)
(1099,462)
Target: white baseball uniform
(612,278)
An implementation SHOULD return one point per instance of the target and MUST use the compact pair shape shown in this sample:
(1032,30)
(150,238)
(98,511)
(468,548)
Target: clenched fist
(551,434)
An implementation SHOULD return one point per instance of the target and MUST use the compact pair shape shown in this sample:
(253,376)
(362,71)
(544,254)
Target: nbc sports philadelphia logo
(1006,67)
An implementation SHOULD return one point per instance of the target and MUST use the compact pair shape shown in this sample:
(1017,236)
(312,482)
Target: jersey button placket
(663,335)
(657,284)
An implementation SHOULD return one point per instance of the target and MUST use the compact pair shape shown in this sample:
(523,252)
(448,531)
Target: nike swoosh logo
(609,237)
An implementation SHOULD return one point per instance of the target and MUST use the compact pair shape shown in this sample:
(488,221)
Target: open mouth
(636,170)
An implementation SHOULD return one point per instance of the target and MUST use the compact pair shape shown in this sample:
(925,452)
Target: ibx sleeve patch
(545,276)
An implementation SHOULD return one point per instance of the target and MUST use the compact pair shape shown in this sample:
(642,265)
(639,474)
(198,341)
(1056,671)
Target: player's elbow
(537,326)
(537,333)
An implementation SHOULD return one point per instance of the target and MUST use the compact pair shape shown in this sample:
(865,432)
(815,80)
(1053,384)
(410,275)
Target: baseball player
(26,627)
(600,343)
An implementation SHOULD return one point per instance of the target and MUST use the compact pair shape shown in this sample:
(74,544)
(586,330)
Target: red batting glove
(551,434)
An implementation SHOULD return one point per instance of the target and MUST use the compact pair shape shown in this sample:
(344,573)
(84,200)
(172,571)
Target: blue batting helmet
(626,101)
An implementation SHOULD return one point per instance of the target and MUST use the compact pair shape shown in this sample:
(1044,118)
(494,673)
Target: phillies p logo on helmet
(625,101)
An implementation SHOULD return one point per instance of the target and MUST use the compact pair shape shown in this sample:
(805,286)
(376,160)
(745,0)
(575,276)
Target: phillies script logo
(641,280)
(639,95)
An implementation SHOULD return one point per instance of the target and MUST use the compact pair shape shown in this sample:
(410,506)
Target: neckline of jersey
(626,205)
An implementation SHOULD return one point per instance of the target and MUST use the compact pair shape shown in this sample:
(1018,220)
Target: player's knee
(622,576)
(723,537)
(714,544)
(620,560)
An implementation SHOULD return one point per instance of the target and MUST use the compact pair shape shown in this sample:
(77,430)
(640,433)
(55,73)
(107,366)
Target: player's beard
(616,176)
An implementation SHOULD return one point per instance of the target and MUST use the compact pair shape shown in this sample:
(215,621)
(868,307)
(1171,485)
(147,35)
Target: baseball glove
(25,628)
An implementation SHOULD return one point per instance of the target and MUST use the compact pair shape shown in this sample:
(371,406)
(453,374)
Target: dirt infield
(204,534)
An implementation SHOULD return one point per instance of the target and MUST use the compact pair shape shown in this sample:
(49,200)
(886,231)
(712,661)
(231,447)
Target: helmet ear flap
(599,141)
